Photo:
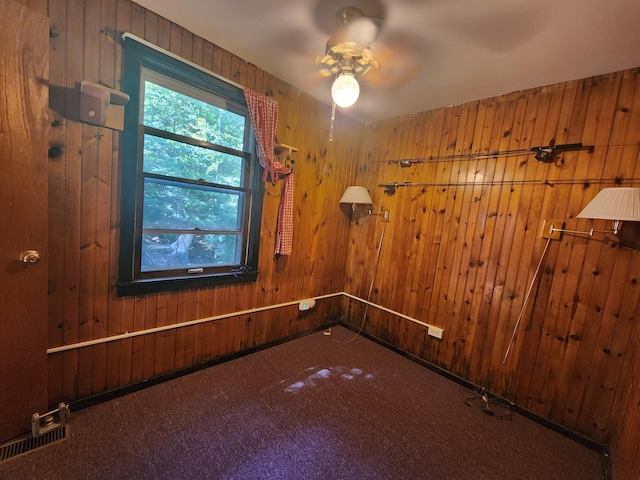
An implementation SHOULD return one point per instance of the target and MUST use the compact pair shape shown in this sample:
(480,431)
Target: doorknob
(30,257)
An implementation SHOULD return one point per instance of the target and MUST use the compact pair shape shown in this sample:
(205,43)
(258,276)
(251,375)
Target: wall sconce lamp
(360,200)
(617,204)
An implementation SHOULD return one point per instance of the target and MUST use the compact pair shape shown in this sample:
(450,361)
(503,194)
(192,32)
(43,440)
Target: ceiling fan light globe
(345,90)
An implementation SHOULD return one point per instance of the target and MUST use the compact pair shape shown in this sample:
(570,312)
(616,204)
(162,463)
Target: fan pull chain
(333,117)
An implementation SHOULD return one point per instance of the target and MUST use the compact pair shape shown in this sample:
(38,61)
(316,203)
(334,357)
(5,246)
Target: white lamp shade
(345,90)
(356,195)
(614,204)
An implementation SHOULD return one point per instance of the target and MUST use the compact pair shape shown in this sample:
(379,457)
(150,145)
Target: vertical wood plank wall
(462,256)
(84,216)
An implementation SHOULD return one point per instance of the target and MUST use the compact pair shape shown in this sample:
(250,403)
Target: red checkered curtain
(264,117)
(284,232)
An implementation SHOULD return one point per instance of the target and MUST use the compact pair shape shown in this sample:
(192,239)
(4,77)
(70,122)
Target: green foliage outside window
(174,206)
(191,190)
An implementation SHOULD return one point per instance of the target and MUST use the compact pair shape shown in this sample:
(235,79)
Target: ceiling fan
(349,54)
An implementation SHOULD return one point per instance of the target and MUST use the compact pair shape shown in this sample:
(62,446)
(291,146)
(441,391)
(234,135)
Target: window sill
(155,285)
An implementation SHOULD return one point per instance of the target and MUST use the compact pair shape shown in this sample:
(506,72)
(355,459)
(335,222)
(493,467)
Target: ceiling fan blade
(328,72)
(361,69)
(326,60)
(397,60)
(361,31)
(391,75)
(367,54)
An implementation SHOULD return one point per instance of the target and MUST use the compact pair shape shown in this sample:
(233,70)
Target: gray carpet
(311,408)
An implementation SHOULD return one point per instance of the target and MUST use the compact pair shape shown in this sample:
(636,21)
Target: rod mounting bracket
(552,229)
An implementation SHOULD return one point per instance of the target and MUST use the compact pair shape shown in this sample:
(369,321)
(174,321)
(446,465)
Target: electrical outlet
(435,332)
(306,305)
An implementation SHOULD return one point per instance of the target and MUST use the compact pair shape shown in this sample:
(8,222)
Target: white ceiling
(433,53)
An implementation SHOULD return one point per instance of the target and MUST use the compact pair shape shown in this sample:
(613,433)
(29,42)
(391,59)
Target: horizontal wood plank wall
(462,256)
(84,215)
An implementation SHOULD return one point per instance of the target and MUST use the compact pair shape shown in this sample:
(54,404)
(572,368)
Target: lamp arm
(384,214)
(616,227)
(577,232)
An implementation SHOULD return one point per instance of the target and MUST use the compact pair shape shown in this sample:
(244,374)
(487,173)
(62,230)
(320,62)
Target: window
(191,192)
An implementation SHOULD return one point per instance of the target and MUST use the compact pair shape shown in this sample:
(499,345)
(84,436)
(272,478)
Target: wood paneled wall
(461,254)
(460,257)
(84,215)
(625,443)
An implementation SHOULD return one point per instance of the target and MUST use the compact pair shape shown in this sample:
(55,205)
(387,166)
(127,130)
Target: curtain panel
(264,117)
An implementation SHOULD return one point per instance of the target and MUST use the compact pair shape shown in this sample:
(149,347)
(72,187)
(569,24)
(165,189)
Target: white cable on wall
(526,301)
(373,278)
(190,323)
(98,341)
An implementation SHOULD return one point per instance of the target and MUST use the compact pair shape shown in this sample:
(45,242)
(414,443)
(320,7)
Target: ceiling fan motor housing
(348,48)
(348,13)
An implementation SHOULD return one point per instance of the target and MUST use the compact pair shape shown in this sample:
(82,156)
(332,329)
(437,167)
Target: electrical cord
(526,300)
(373,278)
(489,404)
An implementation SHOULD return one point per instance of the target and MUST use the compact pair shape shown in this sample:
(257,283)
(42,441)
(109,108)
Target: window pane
(170,206)
(165,251)
(190,214)
(176,159)
(175,112)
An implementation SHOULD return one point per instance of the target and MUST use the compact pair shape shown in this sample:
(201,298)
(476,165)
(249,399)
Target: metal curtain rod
(141,41)
(390,188)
